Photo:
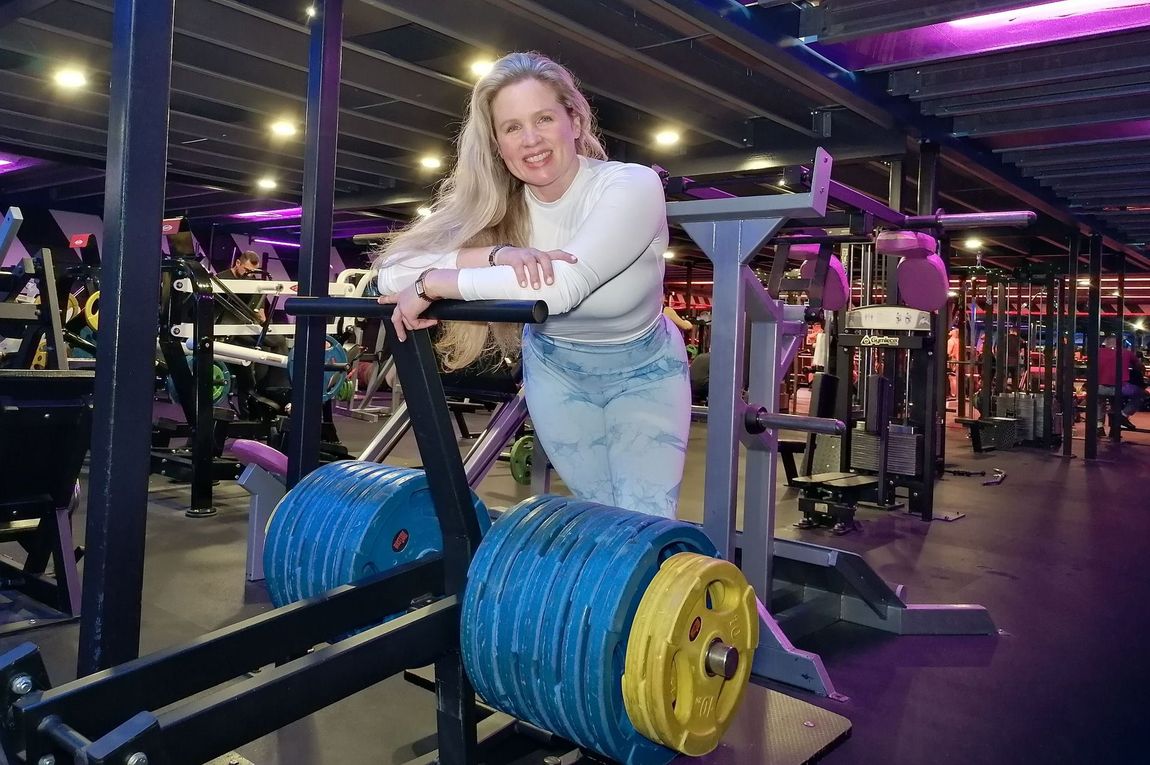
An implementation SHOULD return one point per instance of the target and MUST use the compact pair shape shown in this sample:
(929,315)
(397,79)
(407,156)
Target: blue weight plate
(341,569)
(523,602)
(594,529)
(579,676)
(609,612)
(360,504)
(485,581)
(409,531)
(322,498)
(287,515)
(330,499)
(489,616)
(335,528)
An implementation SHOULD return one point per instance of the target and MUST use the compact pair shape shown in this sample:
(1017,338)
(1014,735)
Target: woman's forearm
(473,257)
(443,283)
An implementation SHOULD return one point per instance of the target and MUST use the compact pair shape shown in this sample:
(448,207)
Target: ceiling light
(973,243)
(1139,325)
(424,211)
(482,67)
(1044,12)
(1115,293)
(1083,282)
(70,78)
(952,293)
(669,254)
(431,163)
(283,128)
(266,183)
(310,11)
(4,162)
(667,137)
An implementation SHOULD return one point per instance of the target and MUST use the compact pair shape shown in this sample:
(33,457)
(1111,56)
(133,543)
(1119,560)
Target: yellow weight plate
(40,358)
(92,311)
(689,653)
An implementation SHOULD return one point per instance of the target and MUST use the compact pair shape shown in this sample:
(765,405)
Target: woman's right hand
(532,265)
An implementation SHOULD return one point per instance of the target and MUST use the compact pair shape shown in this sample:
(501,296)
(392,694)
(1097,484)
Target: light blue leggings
(614,419)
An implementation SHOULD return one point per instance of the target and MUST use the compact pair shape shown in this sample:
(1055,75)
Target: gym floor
(1055,553)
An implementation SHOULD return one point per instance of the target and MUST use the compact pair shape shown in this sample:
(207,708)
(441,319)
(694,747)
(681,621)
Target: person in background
(533,210)
(1132,392)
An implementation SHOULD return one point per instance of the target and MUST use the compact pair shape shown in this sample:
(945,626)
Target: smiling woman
(533,210)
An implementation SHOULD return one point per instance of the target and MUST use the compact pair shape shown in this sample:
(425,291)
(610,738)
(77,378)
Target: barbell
(619,631)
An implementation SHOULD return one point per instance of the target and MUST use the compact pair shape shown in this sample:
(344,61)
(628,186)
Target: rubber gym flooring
(1058,553)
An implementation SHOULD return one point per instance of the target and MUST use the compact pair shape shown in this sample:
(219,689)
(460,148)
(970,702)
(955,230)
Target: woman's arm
(629,214)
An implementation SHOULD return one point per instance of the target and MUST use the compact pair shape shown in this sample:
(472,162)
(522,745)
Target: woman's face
(536,137)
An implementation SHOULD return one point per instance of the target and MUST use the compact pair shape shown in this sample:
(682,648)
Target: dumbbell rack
(804,587)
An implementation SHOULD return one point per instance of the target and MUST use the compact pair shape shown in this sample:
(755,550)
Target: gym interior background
(981,465)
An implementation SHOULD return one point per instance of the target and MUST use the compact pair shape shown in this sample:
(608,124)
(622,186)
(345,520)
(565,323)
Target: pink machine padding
(256,453)
(836,289)
(923,284)
(913,245)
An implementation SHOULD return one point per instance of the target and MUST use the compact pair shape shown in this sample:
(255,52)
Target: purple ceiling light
(1032,25)
(276,242)
(10,163)
(284,213)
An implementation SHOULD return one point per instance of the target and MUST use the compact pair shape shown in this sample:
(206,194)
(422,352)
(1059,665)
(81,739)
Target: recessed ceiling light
(310,11)
(283,128)
(973,243)
(667,137)
(669,254)
(431,163)
(424,211)
(482,67)
(1083,282)
(266,183)
(70,77)
(952,293)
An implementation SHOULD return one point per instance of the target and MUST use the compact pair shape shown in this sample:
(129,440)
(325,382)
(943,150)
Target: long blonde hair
(480,202)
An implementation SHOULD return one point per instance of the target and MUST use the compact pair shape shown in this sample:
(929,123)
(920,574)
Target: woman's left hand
(409,308)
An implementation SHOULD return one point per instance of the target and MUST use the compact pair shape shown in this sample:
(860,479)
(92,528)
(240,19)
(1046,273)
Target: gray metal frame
(813,586)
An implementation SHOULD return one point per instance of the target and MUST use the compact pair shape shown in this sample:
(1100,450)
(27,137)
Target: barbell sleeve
(758,419)
(508,311)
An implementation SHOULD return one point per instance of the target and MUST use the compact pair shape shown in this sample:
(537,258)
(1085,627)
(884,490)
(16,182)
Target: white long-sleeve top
(613,218)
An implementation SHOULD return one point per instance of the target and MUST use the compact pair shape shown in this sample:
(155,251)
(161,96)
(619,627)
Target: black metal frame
(1093,329)
(108,717)
(39,321)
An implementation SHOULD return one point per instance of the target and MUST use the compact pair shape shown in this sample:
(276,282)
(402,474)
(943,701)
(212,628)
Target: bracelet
(494,250)
(421,287)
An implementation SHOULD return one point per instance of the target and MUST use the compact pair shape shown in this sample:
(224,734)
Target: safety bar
(509,311)
(758,419)
(1006,219)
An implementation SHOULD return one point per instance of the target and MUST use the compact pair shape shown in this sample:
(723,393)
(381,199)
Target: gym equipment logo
(871,341)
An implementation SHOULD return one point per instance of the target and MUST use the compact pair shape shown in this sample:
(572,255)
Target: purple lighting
(284,213)
(1025,27)
(1045,12)
(276,242)
(10,163)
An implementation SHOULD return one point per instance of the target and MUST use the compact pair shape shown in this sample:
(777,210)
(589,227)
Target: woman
(532,210)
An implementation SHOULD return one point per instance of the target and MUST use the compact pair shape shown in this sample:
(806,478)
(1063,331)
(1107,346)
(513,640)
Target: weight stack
(903,452)
(1012,406)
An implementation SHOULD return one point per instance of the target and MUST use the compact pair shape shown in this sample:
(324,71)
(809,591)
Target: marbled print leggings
(614,419)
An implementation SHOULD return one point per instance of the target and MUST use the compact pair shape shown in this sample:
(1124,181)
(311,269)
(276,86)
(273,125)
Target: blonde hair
(480,202)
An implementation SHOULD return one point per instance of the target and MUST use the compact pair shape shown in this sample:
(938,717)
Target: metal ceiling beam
(1074,91)
(1087,156)
(650,45)
(1115,185)
(839,20)
(241,81)
(1116,170)
(474,23)
(1067,115)
(1077,59)
(14,10)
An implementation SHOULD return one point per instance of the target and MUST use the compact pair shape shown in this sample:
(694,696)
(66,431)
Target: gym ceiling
(1038,106)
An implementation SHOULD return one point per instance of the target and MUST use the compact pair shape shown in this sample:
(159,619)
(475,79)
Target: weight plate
(92,311)
(482,602)
(334,353)
(693,603)
(521,459)
(607,610)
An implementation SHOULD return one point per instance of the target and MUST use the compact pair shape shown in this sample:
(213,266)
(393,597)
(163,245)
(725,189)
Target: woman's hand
(407,315)
(532,265)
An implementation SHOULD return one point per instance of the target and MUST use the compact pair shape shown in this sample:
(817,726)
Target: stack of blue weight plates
(551,595)
(348,520)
